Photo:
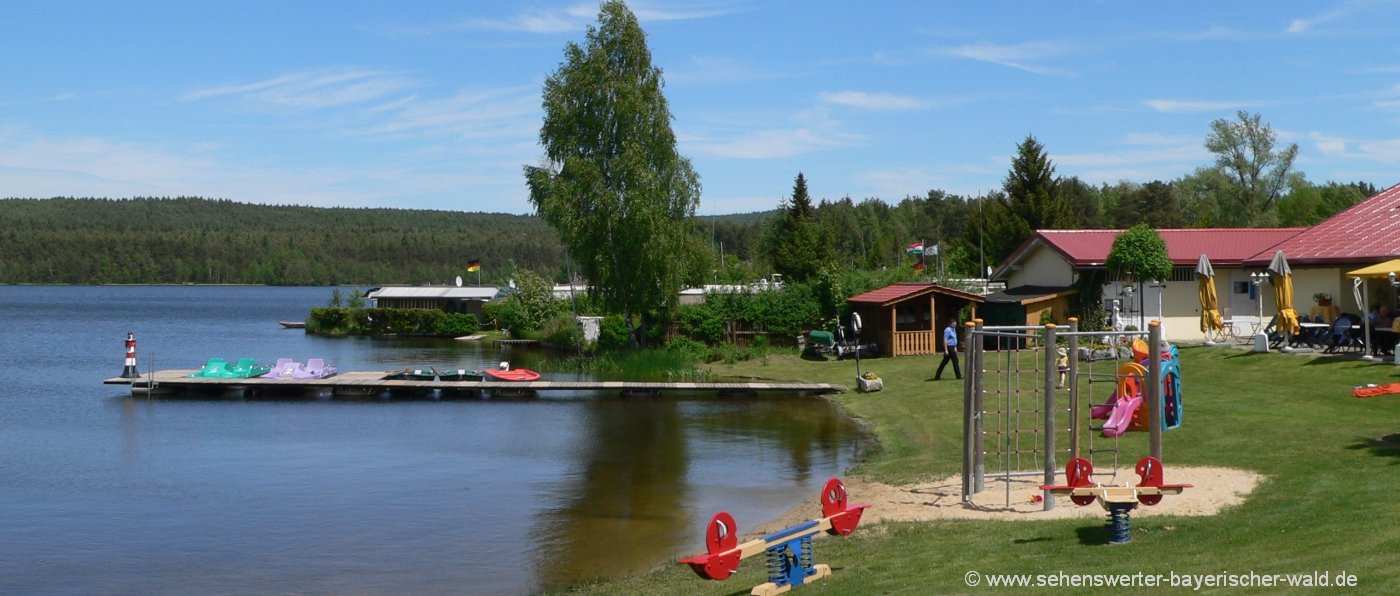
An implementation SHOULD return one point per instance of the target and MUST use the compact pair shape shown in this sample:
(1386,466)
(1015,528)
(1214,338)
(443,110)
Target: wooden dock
(374,383)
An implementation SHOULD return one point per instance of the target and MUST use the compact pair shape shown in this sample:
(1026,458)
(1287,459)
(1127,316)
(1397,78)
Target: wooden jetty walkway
(374,383)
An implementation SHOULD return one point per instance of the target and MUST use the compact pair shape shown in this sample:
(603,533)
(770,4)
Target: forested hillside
(192,240)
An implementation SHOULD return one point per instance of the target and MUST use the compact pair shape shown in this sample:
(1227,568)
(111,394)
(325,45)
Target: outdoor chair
(1340,337)
(1271,330)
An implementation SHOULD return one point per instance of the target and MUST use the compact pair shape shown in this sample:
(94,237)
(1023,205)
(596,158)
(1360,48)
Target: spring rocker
(1118,501)
(788,552)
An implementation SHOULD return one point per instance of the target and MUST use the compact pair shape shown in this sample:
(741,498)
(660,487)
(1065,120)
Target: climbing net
(1022,398)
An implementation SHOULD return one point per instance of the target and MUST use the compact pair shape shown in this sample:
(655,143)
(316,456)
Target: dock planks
(351,383)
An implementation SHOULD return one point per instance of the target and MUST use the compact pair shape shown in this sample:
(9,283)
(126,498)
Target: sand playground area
(1214,490)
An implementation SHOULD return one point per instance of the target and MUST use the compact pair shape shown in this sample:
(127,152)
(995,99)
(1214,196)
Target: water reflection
(621,501)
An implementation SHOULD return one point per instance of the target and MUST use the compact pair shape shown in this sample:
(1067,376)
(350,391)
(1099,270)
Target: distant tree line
(194,240)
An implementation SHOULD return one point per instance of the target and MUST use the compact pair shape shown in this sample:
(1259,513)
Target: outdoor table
(1309,332)
(1251,322)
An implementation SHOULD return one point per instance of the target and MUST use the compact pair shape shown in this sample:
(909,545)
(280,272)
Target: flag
(916,248)
(474,265)
(933,250)
(919,266)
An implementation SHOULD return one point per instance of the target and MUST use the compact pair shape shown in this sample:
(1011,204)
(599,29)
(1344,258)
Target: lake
(104,493)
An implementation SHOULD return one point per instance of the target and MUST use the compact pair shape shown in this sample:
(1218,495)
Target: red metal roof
(1224,246)
(905,290)
(1367,232)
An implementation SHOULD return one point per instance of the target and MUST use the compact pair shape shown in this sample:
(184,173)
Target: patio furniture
(1342,336)
(1313,332)
(1242,328)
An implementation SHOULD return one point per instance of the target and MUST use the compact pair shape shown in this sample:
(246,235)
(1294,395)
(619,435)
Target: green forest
(218,241)
(203,241)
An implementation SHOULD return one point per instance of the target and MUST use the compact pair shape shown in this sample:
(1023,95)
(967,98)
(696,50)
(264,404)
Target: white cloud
(1155,138)
(714,70)
(652,11)
(504,113)
(1384,151)
(1187,105)
(567,20)
(311,89)
(1022,56)
(1304,24)
(1328,145)
(38,166)
(1150,156)
(873,101)
(574,19)
(713,204)
(1164,154)
(771,144)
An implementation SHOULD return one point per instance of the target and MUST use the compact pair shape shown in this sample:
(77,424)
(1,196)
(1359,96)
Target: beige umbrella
(1210,305)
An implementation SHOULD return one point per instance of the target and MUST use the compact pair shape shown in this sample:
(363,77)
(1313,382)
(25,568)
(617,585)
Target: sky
(436,105)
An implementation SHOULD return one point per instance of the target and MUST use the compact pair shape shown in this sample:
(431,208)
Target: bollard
(129,371)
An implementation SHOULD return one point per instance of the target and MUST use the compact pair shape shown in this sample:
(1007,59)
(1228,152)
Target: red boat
(514,374)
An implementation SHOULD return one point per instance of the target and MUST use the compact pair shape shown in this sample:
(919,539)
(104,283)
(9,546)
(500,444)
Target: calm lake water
(103,493)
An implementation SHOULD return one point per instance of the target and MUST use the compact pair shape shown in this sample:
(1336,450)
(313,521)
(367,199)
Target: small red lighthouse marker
(129,371)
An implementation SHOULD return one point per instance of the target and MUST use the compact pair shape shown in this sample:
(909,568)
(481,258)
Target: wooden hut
(908,318)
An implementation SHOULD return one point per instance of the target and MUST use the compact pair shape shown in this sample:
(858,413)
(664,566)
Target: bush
(456,324)
(688,349)
(701,323)
(562,331)
(381,321)
(612,334)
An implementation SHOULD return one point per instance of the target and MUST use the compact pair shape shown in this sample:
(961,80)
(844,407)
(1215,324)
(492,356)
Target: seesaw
(788,551)
(1119,501)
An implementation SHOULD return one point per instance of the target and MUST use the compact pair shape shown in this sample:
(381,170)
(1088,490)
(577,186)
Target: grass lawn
(1330,503)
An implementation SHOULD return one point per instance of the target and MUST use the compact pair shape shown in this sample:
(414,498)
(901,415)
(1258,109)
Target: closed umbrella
(1283,294)
(1205,290)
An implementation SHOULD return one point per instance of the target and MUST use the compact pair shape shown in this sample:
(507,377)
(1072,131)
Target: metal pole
(1154,388)
(969,413)
(978,393)
(1366,320)
(1050,377)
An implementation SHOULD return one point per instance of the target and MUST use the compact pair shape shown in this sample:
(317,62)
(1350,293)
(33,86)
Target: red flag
(919,266)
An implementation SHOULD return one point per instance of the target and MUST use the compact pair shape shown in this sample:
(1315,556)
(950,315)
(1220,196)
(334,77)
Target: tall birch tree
(612,182)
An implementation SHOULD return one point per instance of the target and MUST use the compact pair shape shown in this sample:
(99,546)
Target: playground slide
(1121,416)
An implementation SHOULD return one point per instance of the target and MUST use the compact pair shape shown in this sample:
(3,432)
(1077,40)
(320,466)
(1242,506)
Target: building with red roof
(1364,234)
(1367,233)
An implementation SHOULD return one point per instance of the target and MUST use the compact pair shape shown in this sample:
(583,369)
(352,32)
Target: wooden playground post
(1049,406)
(1072,378)
(1153,391)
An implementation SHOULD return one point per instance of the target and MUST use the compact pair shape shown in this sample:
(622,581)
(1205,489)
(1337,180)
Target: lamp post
(1161,289)
(1261,340)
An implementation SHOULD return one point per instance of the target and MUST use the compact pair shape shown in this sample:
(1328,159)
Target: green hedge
(386,321)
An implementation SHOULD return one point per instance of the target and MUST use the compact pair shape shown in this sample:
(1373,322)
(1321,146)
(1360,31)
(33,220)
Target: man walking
(950,350)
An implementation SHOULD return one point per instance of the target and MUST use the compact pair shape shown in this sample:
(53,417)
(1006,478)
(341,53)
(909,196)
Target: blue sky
(436,105)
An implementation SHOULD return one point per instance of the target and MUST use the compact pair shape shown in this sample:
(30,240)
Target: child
(1062,363)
